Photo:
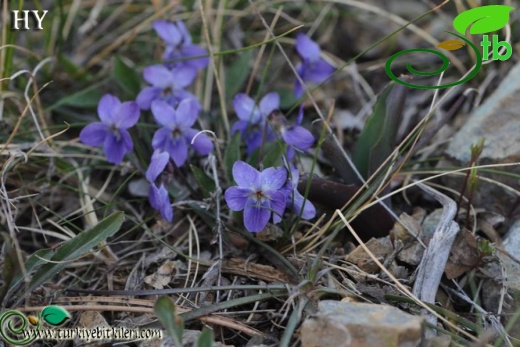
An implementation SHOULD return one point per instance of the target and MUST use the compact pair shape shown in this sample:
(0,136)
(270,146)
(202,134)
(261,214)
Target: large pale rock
(345,324)
(497,120)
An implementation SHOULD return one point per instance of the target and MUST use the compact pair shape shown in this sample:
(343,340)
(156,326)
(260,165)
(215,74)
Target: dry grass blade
(399,285)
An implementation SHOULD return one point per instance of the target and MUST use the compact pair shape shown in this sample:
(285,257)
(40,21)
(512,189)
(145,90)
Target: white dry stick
(436,255)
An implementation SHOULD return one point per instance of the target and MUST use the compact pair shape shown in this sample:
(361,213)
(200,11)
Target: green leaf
(483,19)
(75,248)
(86,98)
(127,78)
(287,98)
(223,305)
(273,153)
(237,72)
(205,339)
(10,267)
(378,137)
(206,183)
(231,155)
(35,260)
(55,315)
(9,39)
(189,4)
(74,71)
(165,310)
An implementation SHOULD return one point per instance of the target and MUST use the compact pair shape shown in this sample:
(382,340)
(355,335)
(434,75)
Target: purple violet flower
(112,131)
(176,132)
(258,194)
(167,85)
(158,197)
(252,118)
(312,68)
(296,200)
(157,165)
(179,47)
(294,135)
(160,200)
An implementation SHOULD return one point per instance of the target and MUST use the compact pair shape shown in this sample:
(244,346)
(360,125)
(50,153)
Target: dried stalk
(436,255)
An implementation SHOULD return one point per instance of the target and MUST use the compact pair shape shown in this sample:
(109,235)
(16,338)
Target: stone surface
(492,286)
(496,120)
(429,225)
(512,246)
(407,228)
(91,320)
(412,254)
(346,324)
(407,232)
(439,341)
(380,247)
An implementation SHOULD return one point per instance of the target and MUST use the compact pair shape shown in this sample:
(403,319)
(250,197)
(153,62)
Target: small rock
(464,255)
(380,247)
(91,320)
(406,229)
(344,324)
(439,341)
(399,271)
(139,187)
(429,225)
(371,291)
(412,254)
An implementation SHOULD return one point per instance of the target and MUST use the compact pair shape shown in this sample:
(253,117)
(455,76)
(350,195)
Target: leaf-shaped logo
(55,315)
(483,19)
(33,320)
(451,45)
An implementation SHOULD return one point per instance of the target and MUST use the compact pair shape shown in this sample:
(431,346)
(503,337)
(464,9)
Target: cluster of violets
(175,110)
(269,192)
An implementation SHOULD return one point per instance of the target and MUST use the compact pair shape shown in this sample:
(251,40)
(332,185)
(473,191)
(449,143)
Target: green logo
(479,20)
(15,326)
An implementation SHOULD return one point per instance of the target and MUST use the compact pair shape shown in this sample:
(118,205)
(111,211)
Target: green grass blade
(206,183)
(204,311)
(379,136)
(35,260)
(231,155)
(205,339)
(75,248)
(127,78)
(85,98)
(166,312)
(237,73)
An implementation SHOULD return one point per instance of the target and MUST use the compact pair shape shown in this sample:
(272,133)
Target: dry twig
(436,255)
